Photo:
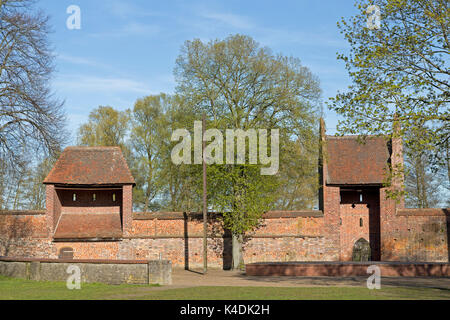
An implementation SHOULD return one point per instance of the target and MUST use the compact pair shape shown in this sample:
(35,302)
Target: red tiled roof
(90,166)
(351,162)
(89,226)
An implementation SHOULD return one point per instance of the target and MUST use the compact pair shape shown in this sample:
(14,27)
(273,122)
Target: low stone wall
(92,271)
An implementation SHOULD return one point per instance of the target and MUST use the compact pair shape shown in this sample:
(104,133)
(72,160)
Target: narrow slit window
(360,197)
(360,222)
(74,197)
(94,197)
(114,197)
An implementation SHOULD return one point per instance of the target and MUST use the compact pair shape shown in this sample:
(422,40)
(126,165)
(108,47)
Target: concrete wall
(110,272)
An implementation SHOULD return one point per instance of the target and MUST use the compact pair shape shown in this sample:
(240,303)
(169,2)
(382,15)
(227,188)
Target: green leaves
(106,127)
(402,69)
(240,85)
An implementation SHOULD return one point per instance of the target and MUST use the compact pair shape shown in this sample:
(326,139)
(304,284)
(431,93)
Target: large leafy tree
(399,72)
(148,134)
(182,188)
(240,85)
(144,137)
(106,126)
(424,186)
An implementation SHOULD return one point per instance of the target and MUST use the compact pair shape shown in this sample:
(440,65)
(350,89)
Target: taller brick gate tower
(353,196)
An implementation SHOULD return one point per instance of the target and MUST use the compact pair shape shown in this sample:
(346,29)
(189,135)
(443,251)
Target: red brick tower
(353,197)
(89,195)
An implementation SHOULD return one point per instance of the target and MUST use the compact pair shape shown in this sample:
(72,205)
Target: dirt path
(193,278)
(184,278)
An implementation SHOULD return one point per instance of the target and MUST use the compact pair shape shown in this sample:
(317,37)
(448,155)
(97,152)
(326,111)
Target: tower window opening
(74,197)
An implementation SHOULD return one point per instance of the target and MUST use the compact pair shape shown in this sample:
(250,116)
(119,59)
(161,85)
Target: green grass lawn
(19,289)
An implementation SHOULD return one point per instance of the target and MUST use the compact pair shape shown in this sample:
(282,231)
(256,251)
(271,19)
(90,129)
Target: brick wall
(359,218)
(51,208)
(331,228)
(177,237)
(329,200)
(416,235)
(388,223)
(127,209)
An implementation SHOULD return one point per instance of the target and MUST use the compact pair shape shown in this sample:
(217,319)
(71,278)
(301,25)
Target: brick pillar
(329,202)
(397,162)
(127,209)
(50,208)
(322,163)
(331,215)
(388,207)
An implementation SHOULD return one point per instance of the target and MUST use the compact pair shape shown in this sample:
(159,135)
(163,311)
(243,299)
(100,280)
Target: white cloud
(218,22)
(125,9)
(80,84)
(80,60)
(233,20)
(130,29)
(273,37)
(140,29)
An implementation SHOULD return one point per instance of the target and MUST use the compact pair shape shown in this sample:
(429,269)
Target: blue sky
(126,50)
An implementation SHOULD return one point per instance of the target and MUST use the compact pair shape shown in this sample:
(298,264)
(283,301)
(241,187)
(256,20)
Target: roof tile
(351,162)
(90,166)
(89,226)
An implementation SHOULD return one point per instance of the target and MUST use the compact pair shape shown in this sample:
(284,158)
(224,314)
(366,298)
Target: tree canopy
(399,72)
(240,85)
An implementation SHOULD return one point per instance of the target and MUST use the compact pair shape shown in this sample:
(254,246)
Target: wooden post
(205,207)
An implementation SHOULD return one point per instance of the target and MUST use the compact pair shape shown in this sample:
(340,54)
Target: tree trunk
(238,259)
